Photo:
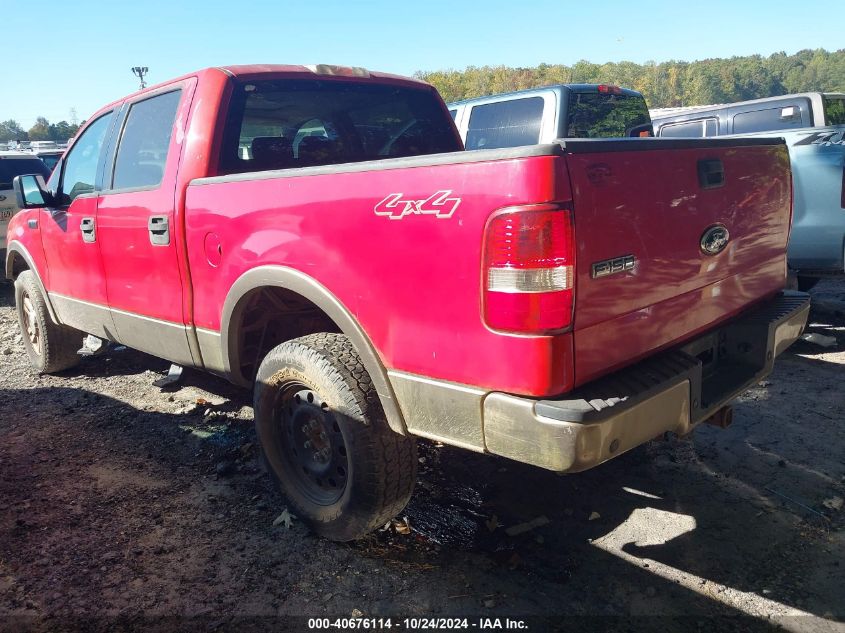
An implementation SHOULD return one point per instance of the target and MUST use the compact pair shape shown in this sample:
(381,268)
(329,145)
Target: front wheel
(325,439)
(51,347)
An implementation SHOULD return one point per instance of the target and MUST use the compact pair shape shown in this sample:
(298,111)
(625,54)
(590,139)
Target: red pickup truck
(319,234)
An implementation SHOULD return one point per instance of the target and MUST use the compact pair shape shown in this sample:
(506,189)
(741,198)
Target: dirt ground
(125,506)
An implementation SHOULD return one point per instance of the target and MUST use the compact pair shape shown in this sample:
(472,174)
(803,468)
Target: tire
(51,347)
(807,283)
(325,439)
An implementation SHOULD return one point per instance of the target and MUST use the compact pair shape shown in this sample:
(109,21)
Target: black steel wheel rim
(311,444)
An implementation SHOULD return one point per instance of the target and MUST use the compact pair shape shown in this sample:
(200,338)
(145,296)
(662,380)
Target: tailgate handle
(89,233)
(159,230)
(711,173)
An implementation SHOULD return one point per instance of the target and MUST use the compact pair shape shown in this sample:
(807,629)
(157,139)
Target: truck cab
(541,115)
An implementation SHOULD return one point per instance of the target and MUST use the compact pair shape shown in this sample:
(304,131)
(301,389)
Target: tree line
(43,130)
(664,84)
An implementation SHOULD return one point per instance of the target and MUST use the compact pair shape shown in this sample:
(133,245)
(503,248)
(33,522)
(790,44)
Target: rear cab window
(280,124)
(508,123)
(605,115)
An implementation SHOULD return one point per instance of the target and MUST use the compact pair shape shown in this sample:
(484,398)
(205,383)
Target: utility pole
(139,72)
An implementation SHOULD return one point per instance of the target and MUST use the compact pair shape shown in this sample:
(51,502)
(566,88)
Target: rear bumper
(671,392)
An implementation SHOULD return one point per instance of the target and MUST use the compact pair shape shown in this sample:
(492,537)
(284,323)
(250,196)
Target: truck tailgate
(643,220)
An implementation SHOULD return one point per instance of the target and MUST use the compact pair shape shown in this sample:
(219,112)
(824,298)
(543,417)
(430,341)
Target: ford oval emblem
(714,239)
(2,198)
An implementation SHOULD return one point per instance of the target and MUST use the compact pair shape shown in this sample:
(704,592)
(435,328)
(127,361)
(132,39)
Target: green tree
(40,131)
(671,83)
(11,130)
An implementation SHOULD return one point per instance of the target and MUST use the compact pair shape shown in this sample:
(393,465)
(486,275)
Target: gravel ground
(122,503)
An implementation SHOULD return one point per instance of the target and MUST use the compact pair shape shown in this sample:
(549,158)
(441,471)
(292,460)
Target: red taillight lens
(611,90)
(529,269)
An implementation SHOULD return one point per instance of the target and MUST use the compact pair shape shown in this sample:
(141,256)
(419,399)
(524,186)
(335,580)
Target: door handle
(89,230)
(159,227)
(711,173)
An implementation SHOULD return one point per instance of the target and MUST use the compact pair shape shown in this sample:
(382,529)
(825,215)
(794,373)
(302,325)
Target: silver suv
(14,164)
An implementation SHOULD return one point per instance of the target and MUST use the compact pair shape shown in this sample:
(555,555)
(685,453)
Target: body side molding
(319,295)
(15,247)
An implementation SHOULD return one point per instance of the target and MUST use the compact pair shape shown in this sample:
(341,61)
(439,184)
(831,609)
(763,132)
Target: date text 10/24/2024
(417,624)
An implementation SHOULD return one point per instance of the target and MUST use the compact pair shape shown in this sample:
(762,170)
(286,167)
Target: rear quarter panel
(413,284)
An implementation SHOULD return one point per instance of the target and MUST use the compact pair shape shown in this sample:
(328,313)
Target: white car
(14,164)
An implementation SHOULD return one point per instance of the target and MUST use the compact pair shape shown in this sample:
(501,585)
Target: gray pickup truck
(813,126)
(541,115)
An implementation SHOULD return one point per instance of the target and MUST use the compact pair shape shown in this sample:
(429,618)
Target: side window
(687,129)
(80,165)
(454,114)
(711,127)
(834,111)
(505,124)
(142,152)
(779,118)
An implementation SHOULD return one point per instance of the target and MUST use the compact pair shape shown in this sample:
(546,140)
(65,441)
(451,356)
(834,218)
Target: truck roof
(246,70)
(555,87)
(657,113)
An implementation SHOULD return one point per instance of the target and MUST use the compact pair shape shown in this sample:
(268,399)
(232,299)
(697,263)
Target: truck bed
(413,282)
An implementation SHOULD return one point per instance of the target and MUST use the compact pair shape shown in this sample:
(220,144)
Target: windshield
(297,123)
(834,110)
(599,115)
(11,167)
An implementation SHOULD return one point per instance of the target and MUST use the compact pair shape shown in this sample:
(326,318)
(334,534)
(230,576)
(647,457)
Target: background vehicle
(13,163)
(50,157)
(813,125)
(542,115)
(373,282)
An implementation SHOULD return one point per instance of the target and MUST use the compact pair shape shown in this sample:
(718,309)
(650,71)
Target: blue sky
(79,54)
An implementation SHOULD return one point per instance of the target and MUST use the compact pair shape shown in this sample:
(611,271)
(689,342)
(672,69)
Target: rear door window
(687,129)
(769,119)
(508,123)
(690,129)
(142,153)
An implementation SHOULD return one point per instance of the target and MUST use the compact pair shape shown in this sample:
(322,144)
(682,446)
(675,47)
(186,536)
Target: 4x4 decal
(438,204)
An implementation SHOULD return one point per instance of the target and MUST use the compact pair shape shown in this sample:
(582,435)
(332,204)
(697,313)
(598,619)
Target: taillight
(529,269)
(610,90)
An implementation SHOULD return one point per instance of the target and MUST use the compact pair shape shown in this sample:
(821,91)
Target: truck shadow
(700,527)
(599,551)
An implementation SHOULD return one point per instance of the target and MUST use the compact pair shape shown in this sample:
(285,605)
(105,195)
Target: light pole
(139,72)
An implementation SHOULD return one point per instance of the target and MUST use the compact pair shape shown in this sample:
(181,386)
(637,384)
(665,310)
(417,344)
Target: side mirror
(31,192)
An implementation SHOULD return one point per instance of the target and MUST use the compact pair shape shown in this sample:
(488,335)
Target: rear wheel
(325,438)
(51,347)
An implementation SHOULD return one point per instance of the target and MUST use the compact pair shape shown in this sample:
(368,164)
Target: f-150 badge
(438,204)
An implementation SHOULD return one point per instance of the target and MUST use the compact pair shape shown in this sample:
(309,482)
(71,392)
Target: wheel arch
(297,282)
(18,260)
